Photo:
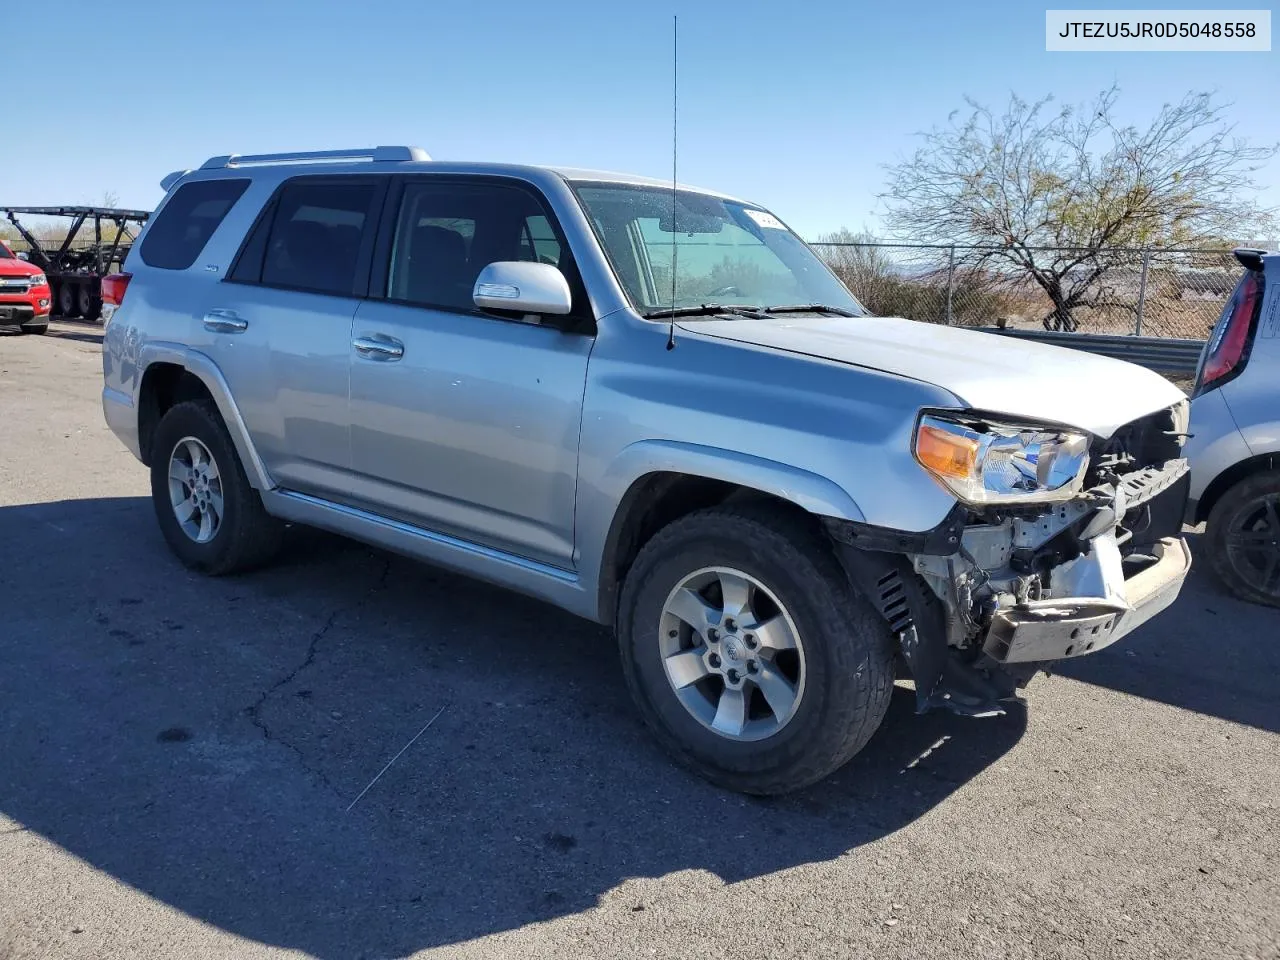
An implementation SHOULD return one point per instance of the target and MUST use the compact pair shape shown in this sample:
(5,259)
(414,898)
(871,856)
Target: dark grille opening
(1144,460)
(1146,442)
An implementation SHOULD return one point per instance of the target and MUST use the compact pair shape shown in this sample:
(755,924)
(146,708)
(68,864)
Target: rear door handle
(224,321)
(378,348)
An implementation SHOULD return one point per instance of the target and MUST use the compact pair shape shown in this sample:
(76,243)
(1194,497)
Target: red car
(24,295)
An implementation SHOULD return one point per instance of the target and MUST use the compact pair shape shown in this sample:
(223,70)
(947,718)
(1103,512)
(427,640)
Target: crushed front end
(1070,544)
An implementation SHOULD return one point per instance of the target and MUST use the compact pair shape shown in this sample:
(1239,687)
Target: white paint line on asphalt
(926,753)
(396,757)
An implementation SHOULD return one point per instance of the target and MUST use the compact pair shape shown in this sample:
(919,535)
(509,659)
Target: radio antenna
(675,106)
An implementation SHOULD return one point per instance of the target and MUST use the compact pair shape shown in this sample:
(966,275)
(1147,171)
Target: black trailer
(77,262)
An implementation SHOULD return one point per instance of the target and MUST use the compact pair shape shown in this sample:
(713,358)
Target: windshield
(4,252)
(725,252)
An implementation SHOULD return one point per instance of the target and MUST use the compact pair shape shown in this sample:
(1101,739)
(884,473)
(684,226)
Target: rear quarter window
(185,224)
(317,232)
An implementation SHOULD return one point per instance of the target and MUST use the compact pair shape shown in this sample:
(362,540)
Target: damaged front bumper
(992,599)
(1058,628)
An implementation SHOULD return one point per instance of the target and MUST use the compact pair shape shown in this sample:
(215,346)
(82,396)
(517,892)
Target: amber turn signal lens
(946,453)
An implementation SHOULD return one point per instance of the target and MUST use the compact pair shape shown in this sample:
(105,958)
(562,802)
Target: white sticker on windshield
(764,218)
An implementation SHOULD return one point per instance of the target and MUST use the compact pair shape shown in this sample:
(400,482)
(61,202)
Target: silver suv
(655,408)
(1235,444)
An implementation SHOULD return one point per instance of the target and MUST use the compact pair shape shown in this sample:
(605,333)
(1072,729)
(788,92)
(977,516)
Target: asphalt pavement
(182,763)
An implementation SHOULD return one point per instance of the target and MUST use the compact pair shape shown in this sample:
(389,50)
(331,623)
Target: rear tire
(212,519)
(90,307)
(68,299)
(1243,535)
(839,670)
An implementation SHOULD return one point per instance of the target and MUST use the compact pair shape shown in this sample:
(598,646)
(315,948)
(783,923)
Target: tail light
(114,286)
(1227,351)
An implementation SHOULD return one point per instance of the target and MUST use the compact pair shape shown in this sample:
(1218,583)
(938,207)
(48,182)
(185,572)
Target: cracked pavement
(254,710)
(177,755)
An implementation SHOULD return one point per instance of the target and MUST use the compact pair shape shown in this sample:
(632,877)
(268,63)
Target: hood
(984,371)
(13,267)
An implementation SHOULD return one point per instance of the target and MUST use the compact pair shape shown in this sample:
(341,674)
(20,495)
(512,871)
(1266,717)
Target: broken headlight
(987,462)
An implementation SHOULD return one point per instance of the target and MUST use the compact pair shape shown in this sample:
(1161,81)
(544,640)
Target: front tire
(748,652)
(36,328)
(211,517)
(1243,535)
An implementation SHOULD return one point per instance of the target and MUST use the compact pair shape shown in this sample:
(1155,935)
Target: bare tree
(887,288)
(915,283)
(1076,178)
(858,261)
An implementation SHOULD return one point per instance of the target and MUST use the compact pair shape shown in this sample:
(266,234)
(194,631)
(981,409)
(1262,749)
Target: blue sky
(794,105)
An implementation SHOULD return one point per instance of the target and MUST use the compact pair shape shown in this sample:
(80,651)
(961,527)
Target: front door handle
(225,321)
(378,348)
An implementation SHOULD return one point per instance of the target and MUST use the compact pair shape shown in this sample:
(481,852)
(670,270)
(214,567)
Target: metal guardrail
(1165,355)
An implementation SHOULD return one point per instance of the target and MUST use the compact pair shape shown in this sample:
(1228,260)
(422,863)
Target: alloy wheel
(195,490)
(1253,544)
(732,654)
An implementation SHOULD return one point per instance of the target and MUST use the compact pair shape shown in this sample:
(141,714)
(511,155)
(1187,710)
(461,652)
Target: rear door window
(317,234)
(181,230)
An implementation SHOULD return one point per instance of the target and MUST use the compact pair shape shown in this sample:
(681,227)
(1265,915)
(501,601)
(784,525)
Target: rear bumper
(122,418)
(1060,628)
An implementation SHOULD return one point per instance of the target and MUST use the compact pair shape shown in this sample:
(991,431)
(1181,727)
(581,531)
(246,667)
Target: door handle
(224,321)
(378,348)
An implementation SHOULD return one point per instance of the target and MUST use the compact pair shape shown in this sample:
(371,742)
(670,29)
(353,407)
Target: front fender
(809,491)
(602,500)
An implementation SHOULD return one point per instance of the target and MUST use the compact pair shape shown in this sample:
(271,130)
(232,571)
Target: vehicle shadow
(1209,653)
(76,330)
(207,742)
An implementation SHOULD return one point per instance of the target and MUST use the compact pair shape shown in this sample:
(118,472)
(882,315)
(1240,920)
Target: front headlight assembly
(986,462)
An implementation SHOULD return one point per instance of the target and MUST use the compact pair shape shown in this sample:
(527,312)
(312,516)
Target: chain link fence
(1152,292)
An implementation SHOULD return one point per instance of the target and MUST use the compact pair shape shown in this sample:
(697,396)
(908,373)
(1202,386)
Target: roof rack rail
(374,154)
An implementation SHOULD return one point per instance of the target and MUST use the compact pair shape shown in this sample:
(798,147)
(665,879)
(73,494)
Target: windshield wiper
(707,310)
(810,308)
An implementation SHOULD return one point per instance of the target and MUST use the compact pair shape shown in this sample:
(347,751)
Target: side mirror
(522,288)
(22,255)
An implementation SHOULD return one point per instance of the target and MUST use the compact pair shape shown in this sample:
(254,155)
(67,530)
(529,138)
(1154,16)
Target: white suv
(1235,435)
